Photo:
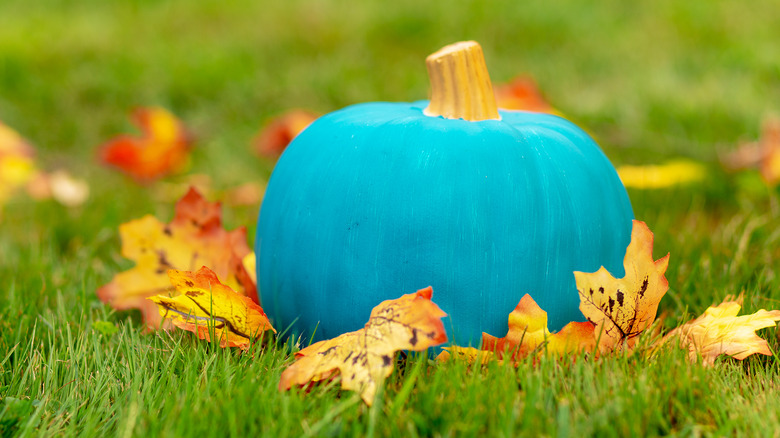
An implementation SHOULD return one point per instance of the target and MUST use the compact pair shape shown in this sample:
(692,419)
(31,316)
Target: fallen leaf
(162,148)
(17,162)
(770,143)
(204,305)
(280,131)
(763,154)
(60,186)
(528,333)
(623,308)
(469,354)
(365,357)
(720,331)
(250,266)
(657,176)
(522,93)
(194,238)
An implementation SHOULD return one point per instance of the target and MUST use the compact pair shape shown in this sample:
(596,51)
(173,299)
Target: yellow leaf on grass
(669,174)
(205,304)
(623,308)
(194,238)
(528,333)
(366,357)
(17,165)
(720,331)
(468,354)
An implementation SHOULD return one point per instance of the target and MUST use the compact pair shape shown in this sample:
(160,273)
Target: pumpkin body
(378,199)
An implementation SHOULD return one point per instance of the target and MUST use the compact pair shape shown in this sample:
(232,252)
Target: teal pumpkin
(380,199)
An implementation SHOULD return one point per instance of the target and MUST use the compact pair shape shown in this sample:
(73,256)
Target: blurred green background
(660,78)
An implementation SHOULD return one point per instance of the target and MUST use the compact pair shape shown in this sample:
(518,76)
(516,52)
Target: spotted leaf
(623,308)
(364,358)
(206,306)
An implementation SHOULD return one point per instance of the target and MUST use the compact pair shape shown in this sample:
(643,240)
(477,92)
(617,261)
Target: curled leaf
(669,174)
(204,304)
(366,357)
(528,333)
(280,131)
(194,238)
(162,148)
(623,308)
(720,331)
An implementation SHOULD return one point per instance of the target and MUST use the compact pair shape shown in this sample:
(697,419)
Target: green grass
(651,81)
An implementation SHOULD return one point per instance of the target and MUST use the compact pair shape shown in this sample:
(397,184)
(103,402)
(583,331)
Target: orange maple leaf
(281,130)
(366,357)
(528,333)
(720,331)
(194,238)
(204,304)
(162,148)
(522,93)
(623,308)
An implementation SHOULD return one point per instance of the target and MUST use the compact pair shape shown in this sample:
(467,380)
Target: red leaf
(162,148)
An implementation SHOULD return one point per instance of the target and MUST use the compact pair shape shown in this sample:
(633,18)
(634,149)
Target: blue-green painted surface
(377,200)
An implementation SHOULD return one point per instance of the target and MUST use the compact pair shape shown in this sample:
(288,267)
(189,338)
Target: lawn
(650,81)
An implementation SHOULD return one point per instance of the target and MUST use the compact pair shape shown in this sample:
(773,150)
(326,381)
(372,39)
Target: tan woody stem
(460,84)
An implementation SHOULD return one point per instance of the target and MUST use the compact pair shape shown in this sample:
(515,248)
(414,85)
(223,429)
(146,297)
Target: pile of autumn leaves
(199,277)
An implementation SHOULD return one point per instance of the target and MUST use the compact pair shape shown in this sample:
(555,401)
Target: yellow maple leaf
(720,331)
(528,333)
(365,357)
(623,308)
(657,176)
(194,238)
(205,304)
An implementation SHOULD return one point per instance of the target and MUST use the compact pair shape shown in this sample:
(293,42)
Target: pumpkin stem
(460,84)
